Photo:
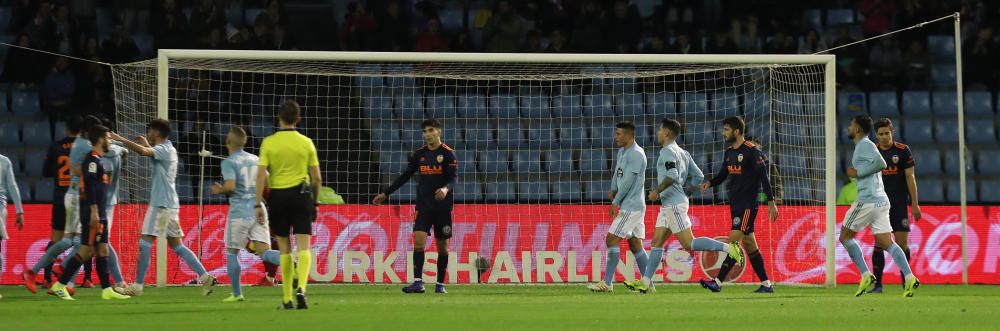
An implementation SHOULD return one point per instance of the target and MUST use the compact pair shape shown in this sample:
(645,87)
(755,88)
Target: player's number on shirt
(64,175)
(249,175)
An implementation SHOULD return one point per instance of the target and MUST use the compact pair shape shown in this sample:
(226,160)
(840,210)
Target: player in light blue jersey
(8,190)
(628,206)
(163,215)
(871,209)
(112,163)
(239,172)
(677,176)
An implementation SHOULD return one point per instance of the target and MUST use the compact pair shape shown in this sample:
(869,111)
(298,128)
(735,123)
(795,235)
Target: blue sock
(272,257)
(145,251)
(899,258)
(641,260)
(51,253)
(113,267)
(233,269)
(707,244)
(655,256)
(189,258)
(614,254)
(855,252)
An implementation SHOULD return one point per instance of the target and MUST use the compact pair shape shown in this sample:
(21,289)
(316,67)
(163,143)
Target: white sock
(646,280)
(766,283)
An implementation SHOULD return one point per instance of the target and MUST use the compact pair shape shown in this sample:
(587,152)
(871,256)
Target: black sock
(88,268)
(102,271)
(71,268)
(442,268)
(418,265)
(727,265)
(878,265)
(757,261)
(48,268)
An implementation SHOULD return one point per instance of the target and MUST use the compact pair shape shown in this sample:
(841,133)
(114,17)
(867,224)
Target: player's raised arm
(141,149)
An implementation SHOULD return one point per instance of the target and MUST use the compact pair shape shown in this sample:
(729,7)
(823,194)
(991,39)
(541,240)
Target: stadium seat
(45,190)
(838,17)
(951,162)
(942,48)
(990,191)
(526,161)
(790,104)
(884,104)
(560,161)
(466,162)
(472,106)
(468,192)
(567,106)
(510,135)
(813,19)
(979,103)
(568,191)
(401,77)
(602,133)
(451,18)
(500,192)
(479,136)
(6,13)
(916,103)
(105,17)
(987,161)
(451,133)
(930,190)
(946,131)
(378,106)
(405,194)
(393,162)
(535,106)
(25,103)
(850,104)
(693,103)
(756,103)
(412,135)
(661,103)
(441,106)
(725,104)
(596,190)
(572,135)
(980,131)
(34,162)
(9,135)
(700,133)
(629,105)
(799,190)
(15,159)
(701,159)
(59,131)
(37,134)
(594,160)
(533,192)
(954,190)
(918,131)
(144,43)
(494,161)
(928,161)
(542,134)
(597,105)
(24,186)
(503,106)
(943,75)
(409,105)
(184,189)
(944,103)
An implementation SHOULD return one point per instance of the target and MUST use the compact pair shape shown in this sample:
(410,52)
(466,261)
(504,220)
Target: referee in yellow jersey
(290,167)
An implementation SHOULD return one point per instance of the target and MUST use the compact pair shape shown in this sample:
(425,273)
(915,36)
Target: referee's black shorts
(290,211)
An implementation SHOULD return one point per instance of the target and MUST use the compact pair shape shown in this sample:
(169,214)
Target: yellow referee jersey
(287,156)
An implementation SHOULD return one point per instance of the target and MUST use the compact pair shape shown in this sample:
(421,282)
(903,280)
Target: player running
(56,166)
(163,216)
(901,188)
(677,175)
(438,172)
(8,190)
(746,167)
(628,209)
(871,208)
(239,184)
(93,197)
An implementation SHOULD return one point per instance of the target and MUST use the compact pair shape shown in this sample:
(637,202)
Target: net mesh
(535,147)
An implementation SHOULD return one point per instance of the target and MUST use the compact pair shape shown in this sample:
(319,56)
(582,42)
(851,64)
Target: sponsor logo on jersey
(440,158)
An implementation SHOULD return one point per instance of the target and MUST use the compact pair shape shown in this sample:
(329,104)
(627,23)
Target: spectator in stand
(261,37)
(282,41)
(169,26)
(746,35)
(720,43)
(23,13)
(135,15)
(356,34)
(431,40)
(811,43)
(85,14)
(878,16)
(205,17)
(120,48)
(22,66)
(215,39)
(58,91)
(885,63)
(656,45)
(850,60)
(40,29)
(916,62)
(394,32)
(239,38)
(91,49)
(591,26)
(912,12)
(557,43)
(462,42)
(276,12)
(66,31)
(781,43)
(625,27)
(505,29)
(981,58)
(533,42)
(93,93)
(683,45)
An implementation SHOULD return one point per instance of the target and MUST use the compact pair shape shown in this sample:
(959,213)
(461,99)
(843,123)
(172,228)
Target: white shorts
(72,203)
(875,215)
(160,221)
(3,224)
(239,230)
(629,224)
(674,217)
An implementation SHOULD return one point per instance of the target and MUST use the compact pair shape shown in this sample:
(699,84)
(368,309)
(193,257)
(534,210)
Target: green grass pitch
(514,308)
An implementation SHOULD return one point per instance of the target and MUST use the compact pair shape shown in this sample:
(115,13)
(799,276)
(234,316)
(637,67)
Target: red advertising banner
(541,243)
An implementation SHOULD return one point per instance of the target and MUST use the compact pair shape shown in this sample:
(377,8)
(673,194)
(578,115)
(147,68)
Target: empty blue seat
(385,134)
(494,161)
(951,162)
(693,103)
(789,104)
(594,160)
(441,106)
(990,191)
(567,106)
(756,103)
(405,194)
(930,190)
(955,190)
(399,75)
(987,162)
(542,134)
(24,187)
(943,75)
(15,160)
(928,161)
(884,104)
(503,106)
(479,136)
(378,106)
(629,105)
(533,192)
(472,106)
(597,105)
(527,161)
(510,135)
(916,103)
(942,48)
(799,190)
(466,162)
(918,131)
(946,131)
(535,106)
(700,133)
(568,191)
(451,18)
(469,191)
(661,103)
(451,134)
(945,103)
(979,103)
(572,135)
(34,162)
(393,162)
(725,104)
(854,103)
(837,17)
(500,192)
(980,132)
(623,84)
(409,105)
(596,190)
(45,189)
(9,135)
(37,134)
(560,161)
(25,102)
(602,133)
